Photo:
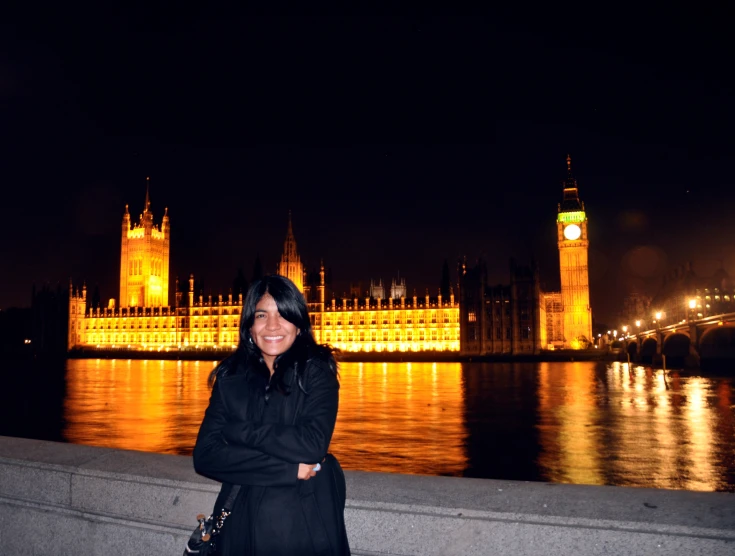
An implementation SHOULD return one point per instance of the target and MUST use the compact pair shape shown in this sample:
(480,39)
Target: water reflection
(631,426)
(578,422)
(568,423)
(401,418)
(152,406)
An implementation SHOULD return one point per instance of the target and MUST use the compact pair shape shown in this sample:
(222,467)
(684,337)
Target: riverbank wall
(690,363)
(58,499)
(376,356)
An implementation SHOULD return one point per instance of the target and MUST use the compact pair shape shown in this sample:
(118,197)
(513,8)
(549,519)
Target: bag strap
(230,500)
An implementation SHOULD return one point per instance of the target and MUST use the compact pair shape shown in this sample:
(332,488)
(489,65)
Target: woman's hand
(307,470)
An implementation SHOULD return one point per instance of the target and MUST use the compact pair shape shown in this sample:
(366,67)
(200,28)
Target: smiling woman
(268,427)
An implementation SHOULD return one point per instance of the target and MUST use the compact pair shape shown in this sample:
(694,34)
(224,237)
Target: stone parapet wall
(62,499)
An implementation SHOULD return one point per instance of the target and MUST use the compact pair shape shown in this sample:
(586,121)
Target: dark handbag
(203,540)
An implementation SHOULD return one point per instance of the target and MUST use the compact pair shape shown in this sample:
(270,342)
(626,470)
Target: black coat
(257,439)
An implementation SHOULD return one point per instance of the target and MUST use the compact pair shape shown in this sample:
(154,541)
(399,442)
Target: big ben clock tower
(571,224)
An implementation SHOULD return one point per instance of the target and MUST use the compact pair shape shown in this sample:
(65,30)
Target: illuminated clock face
(572,231)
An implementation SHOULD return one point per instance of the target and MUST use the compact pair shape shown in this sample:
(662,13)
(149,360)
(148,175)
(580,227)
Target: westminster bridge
(705,341)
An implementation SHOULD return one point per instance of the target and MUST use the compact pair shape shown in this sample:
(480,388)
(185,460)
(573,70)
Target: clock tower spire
(571,223)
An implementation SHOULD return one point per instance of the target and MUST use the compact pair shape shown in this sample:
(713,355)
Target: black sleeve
(307,441)
(237,464)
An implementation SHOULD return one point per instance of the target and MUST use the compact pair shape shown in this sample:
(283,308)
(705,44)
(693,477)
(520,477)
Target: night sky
(397,143)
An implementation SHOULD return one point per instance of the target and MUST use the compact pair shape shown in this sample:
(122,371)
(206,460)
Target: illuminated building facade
(203,323)
(482,319)
(145,322)
(144,259)
(427,323)
(573,242)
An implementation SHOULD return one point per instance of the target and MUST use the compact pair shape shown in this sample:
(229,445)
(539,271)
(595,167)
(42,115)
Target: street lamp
(692,308)
(659,339)
(638,324)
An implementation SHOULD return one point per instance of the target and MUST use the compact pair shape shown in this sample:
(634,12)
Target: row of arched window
(169,338)
(135,267)
(392,336)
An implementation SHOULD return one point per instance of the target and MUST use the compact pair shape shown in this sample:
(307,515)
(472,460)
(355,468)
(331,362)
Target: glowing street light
(638,324)
(692,308)
(658,315)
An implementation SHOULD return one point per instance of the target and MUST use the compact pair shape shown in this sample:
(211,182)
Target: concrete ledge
(57,495)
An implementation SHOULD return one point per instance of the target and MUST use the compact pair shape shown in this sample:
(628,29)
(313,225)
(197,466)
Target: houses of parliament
(476,319)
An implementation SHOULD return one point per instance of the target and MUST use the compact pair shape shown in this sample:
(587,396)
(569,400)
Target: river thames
(595,423)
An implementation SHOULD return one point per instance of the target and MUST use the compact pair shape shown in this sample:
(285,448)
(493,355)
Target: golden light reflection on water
(401,418)
(397,417)
(577,422)
(645,434)
(152,406)
(701,448)
(633,426)
(568,417)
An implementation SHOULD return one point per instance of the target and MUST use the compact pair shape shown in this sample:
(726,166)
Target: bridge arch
(648,349)
(632,348)
(717,346)
(677,348)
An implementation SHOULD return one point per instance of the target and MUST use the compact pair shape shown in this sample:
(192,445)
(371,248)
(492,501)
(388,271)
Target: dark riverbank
(382,356)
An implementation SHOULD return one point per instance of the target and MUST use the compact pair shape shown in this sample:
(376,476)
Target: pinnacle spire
(571,200)
(290,265)
(570,182)
(289,246)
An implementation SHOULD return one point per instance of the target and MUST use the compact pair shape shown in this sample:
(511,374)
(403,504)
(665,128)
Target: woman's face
(270,331)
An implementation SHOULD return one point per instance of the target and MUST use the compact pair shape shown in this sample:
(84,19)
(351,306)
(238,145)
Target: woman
(268,425)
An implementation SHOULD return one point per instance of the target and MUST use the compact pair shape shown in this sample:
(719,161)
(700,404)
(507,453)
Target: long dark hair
(292,307)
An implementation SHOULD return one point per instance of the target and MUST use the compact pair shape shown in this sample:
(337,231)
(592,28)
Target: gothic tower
(144,259)
(77,312)
(571,223)
(290,265)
